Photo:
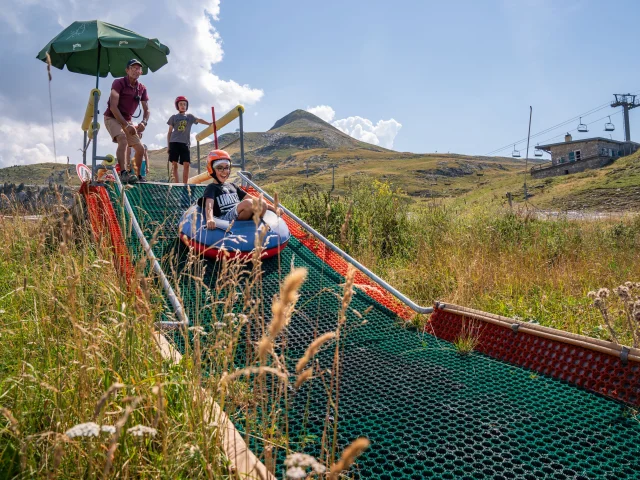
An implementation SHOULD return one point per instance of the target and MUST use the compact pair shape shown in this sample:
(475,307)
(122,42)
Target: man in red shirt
(126,95)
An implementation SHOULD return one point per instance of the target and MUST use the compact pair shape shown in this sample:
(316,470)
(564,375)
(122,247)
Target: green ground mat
(428,411)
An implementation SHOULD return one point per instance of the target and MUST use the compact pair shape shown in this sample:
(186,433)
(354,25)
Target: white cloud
(382,133)
(325,112)
(27,142)
(196,46)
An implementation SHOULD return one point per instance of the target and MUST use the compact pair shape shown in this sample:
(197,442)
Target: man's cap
(134,61)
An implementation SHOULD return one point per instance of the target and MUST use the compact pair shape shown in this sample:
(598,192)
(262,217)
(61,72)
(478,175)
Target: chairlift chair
(515,153)
(537,152)
(582,127)
(609,127)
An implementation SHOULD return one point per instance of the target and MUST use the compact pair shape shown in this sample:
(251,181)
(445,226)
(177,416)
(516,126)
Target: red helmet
(214,156)
(181,99)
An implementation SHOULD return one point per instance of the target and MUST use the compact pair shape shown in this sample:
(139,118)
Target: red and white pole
(215,130)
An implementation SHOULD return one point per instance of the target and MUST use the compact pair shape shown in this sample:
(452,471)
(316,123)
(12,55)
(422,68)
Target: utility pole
(627,102)
(333,176)
(526,161)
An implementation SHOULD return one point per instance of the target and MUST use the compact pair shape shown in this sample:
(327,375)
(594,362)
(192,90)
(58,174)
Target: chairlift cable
(547,130)
(575,129)
(542,132)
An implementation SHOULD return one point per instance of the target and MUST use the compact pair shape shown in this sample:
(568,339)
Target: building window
(561,160)
(577,155)
(572,156)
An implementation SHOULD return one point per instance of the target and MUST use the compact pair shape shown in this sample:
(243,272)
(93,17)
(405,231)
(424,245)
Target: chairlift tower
(627,102)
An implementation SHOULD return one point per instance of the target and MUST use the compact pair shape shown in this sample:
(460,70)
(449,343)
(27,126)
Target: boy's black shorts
(179,152)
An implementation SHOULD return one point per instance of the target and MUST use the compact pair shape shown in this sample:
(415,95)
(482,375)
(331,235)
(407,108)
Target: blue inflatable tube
(233,238)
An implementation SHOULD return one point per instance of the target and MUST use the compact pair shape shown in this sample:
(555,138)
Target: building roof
(584,140)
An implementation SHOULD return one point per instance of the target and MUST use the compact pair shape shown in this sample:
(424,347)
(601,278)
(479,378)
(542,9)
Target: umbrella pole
(95,117)
(84,149)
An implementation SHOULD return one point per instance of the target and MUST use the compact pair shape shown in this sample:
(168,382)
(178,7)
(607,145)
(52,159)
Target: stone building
(573,156)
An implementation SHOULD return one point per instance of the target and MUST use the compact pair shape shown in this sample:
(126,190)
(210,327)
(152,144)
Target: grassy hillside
(40,174)
(300,150)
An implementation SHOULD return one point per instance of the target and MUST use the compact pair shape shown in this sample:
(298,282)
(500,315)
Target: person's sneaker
(127,177)
(142,179)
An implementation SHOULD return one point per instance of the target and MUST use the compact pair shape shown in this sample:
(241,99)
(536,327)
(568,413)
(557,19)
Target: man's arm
(145,117)
(114,99)
(203,122)
(208,208)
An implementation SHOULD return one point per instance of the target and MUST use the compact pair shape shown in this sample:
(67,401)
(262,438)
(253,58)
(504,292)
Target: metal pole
(526,161)
(198,154)
(333,177)
(627,128)
(173,298)
(94,125)
(84,149)
(404,299)
(241,141)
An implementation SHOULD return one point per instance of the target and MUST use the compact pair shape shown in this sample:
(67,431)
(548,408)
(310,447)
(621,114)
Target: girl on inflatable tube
(222,219)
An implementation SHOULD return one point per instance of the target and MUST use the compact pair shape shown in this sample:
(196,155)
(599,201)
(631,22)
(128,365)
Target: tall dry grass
(502,261)
(84,390)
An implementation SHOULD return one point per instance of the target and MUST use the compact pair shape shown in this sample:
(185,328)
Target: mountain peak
(297,115)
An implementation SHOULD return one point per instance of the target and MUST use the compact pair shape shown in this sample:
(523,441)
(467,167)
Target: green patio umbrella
(99,48)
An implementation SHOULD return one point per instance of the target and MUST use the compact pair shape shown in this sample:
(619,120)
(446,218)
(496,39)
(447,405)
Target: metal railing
(183,320)
(400,296)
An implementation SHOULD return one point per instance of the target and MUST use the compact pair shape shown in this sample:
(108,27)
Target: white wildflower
(299,462)
(141,431)
(296,473)
(603,293)
(622,292)
(193,450)
(108,429)
(198,330)
(89,429)
(229,315)
(219,325)
(2,311)
(243,318)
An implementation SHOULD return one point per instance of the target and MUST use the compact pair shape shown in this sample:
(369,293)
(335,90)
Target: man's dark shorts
(179,152)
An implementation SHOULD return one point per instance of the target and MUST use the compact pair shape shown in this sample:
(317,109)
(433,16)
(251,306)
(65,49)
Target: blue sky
(419,76)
